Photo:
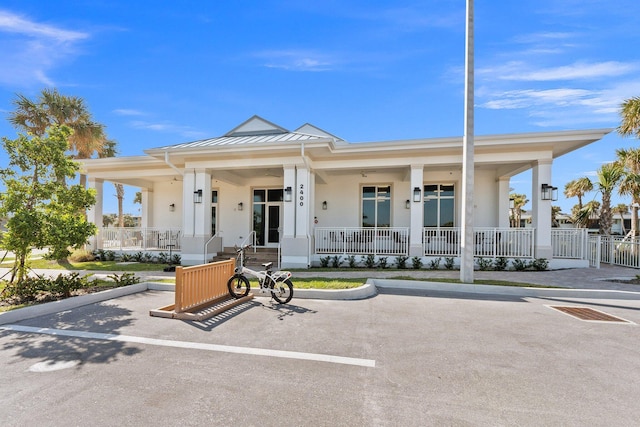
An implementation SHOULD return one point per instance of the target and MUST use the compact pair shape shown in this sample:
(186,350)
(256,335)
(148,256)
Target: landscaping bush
(351,260)
(416,261)
(81,255)
(324,261)
(484,264)
(369,261)
(125,279)
(520,264)
(382,262)
(434,264)
(336,260)
(500,264)
(64,284)
(540,264)
(401,262)
(449,263)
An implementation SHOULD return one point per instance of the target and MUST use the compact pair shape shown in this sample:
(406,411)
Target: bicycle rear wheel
(238,286)
(282,291)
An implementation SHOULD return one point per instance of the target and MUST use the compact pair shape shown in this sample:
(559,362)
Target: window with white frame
(439,205)
(376,206)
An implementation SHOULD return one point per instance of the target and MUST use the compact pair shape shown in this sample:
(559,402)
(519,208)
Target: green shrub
(434,264)
(520,264)
(324,261)
(382,262)
(369,261)
(351,260)
(176,259)
(484,264)
(500,264)
(401,261)
(540,264)
(125,279)
(336,260)
(81,255)
(64,284)
(416,261)
(449,263)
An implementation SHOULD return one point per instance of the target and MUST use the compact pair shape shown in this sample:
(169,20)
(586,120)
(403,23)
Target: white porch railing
(569,243)
(362,240)
(616,250)
(488,242)
(139,238)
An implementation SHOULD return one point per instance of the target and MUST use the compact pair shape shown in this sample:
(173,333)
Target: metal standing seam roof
(245,140)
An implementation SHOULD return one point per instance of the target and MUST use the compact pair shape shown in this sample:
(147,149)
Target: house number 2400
(301,195)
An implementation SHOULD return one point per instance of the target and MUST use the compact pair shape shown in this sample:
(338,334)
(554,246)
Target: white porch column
(289,208)
(95,212)
(147,207)
(197,216)
(417,221)
(503,202)
(295,250)
(541,209)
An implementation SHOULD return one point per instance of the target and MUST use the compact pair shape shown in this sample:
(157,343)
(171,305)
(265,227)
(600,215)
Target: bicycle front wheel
(238,286)
(282,291)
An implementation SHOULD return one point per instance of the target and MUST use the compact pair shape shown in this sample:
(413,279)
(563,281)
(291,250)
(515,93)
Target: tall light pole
(466,261)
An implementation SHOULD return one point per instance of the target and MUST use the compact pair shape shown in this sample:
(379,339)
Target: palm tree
(53,108)
(630,182)
(589,212)
(519,200)
(578,188)
(110,149)
(609,175)
(630,112)
(621,209)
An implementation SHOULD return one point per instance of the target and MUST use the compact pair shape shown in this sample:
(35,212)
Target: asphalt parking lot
(399,358)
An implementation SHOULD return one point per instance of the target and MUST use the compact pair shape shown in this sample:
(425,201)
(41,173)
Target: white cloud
(33,49)
(184,131)
(128,112)
(521,71)
(297,60)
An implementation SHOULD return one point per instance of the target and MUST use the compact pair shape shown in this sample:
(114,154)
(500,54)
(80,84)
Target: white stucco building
(311,194)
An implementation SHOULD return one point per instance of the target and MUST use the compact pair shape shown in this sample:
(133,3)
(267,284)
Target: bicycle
(277,283)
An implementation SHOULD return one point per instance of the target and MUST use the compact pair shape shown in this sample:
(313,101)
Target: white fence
(139,238)
(614,250)
(569,243)
(362,240)
(488,242)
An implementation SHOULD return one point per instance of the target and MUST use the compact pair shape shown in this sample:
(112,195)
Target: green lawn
(92,265)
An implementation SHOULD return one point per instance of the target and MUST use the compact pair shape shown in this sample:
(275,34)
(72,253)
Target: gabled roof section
(256,125)
(310,129)
(252,132)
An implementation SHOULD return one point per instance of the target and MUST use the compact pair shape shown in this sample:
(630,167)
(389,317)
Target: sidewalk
(579,278)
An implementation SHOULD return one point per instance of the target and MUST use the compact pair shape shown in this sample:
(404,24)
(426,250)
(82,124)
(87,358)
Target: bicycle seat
(267,265)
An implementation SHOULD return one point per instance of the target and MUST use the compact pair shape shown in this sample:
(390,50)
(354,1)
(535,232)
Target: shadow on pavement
(56,349)
(451,295)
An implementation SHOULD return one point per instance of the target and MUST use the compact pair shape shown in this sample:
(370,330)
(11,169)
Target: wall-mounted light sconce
(512,203)
(407,204)
(240,206)
(324,205)
(417,194)
(172,207)
(549,192)
(197,196)
(287,194)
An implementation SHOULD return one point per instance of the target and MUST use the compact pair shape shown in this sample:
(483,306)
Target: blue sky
(159,73)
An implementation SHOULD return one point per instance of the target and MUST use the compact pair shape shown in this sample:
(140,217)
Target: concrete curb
(367,290)
(504,290)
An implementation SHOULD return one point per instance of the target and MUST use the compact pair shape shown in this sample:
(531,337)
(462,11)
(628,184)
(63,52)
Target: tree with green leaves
(519,200)
(630,113)
(578,188)
(52,108)
(630,182)
(42,211)
(609,175)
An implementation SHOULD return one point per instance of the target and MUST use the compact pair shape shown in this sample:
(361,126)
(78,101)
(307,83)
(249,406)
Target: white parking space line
(194,345)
